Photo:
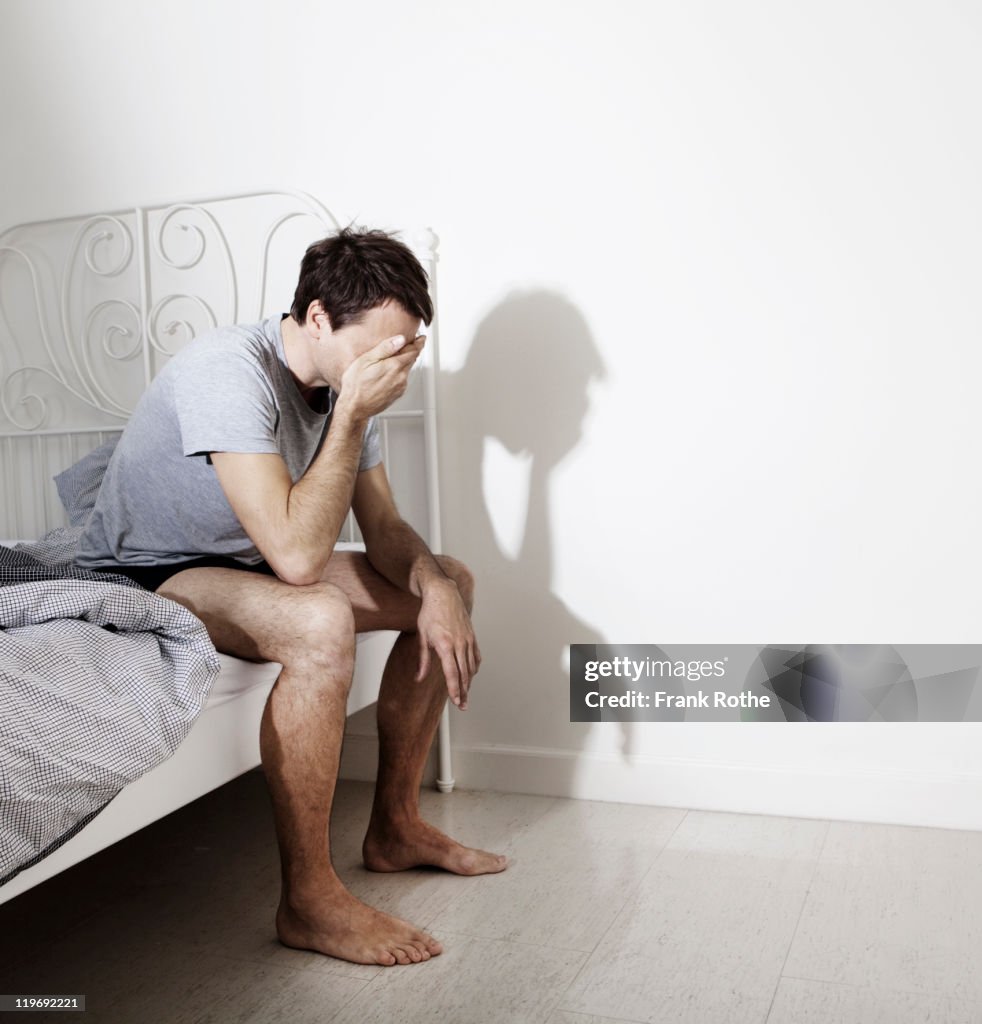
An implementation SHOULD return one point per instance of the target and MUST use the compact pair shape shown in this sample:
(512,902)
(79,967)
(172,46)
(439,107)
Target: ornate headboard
(91,307)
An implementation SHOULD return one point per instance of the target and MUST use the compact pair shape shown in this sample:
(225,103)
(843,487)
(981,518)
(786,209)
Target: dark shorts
(153,576)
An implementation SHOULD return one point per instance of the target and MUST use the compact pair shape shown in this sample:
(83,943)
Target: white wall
(710,324)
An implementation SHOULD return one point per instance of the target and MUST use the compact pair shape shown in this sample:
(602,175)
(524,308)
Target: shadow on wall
(524,394)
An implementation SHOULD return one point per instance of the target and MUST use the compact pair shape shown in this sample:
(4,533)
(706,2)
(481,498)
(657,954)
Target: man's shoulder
(229,342)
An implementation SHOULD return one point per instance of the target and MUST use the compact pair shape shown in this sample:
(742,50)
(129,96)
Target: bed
(91,307)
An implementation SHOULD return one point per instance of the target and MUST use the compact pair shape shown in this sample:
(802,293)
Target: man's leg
(408,716)
(310,631)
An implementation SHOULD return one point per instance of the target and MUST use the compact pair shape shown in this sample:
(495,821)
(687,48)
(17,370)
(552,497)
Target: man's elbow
(298,568)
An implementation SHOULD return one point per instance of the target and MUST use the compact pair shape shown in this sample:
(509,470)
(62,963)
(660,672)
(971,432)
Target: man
(227,493)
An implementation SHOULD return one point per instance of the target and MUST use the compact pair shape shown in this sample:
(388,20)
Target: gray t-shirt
(230,390)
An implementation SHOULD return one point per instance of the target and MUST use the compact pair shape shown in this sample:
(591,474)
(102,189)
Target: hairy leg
(310,631)
(408,716)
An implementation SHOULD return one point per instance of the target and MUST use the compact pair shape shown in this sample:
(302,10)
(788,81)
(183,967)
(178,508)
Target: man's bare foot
(396,848)
(344,927)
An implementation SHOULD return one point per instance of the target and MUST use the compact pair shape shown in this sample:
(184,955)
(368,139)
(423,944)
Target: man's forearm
(318,502)
(443,626)
(400,555)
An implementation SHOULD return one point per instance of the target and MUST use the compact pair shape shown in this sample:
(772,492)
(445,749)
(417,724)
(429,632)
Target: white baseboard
(932,799)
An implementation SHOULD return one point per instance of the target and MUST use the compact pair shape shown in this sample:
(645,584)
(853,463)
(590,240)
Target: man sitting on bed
(227,493)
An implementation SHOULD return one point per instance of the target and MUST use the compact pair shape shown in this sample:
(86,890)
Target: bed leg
(445,779)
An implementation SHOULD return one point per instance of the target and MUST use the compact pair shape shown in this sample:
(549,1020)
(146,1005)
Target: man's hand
(445,627)
(377,378)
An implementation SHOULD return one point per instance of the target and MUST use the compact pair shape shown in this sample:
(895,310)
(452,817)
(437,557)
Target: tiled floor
(609,913)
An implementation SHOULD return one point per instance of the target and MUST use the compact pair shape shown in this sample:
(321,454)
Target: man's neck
(296,348)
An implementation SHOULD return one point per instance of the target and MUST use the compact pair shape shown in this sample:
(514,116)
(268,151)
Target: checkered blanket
(100,681)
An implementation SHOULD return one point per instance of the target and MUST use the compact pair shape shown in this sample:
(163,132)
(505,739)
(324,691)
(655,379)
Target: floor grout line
(590,1016)
(797,924)
(930,992)
(617,916)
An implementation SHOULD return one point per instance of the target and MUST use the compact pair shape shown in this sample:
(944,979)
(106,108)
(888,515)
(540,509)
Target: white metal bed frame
(113,284)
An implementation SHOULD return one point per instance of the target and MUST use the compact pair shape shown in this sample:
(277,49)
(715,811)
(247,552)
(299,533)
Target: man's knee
(323,624)
(461,575)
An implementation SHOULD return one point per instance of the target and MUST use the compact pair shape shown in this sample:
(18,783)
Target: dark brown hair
(354,271)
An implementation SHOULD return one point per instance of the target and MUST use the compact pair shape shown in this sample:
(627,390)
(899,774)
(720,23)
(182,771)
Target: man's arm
(296,525)
(398,553)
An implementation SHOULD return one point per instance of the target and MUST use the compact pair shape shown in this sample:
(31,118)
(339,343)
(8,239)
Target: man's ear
(322,323)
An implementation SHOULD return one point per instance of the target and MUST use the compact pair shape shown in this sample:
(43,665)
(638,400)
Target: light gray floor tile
(818,1002)
(891,929)
(780,852)
(705,938)
(690,955)
(568,903)
(604,824)
(909,851)
(474,981)
(571,873)
(895,908)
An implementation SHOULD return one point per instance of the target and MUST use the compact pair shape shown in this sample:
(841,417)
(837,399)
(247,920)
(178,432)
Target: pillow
(78,486)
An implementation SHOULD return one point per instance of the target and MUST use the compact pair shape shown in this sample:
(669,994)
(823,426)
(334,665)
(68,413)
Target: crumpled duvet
(100,681)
